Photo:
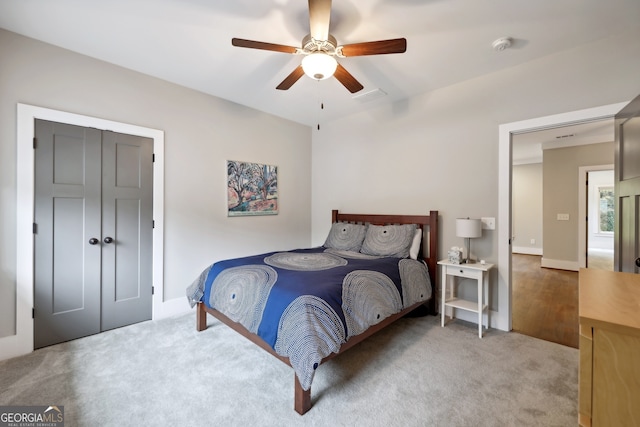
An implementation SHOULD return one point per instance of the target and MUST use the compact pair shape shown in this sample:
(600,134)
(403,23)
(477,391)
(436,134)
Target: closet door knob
(93,241)
(637,262)
(108,240)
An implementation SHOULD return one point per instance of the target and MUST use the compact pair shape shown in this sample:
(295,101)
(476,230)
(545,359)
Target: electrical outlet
(533,241)
(488,223)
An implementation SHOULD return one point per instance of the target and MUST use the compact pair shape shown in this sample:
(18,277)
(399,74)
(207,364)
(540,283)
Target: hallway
(545,301)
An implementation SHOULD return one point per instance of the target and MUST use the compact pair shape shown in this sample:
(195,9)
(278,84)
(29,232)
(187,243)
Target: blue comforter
(306,303)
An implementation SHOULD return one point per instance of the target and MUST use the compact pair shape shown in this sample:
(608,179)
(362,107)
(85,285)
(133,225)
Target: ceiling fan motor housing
(310,45)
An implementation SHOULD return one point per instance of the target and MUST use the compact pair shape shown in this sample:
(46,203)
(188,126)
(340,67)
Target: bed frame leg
(302,398)
(201,318)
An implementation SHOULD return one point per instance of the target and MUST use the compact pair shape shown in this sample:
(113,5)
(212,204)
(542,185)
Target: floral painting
(252,189)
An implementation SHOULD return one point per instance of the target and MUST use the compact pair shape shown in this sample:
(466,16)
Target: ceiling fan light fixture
(319,65)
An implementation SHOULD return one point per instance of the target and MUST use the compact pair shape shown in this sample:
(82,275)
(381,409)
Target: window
(605,210)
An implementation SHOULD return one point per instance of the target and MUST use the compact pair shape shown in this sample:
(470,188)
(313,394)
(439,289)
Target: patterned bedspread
(306,303)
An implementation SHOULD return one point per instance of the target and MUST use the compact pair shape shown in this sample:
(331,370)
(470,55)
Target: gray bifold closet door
(93,231)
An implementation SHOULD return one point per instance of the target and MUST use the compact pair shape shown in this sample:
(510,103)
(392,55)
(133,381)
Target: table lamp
(469,229)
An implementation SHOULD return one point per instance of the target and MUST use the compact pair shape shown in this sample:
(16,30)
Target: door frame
(505,133)
(583,200)
(22,341)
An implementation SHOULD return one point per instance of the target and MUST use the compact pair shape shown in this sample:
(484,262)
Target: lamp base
(468,260)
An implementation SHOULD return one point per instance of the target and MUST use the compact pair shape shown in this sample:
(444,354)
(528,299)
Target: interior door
(92,231)
(127,226)
(627,189)
(67,215)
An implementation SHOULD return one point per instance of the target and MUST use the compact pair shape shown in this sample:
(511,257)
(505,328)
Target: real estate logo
(31,416)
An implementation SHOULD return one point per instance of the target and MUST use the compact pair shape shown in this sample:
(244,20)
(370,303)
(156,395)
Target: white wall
(201,133)
(439,150)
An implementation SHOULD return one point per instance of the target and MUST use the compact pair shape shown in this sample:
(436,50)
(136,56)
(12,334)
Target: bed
(305,306)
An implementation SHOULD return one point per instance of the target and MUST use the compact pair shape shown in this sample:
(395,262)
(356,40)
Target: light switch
(488,223)
(563,217)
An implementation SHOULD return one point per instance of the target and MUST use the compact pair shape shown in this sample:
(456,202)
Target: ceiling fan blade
(291,78)
(347,79)
(251,44)
(379,47)
(319,18)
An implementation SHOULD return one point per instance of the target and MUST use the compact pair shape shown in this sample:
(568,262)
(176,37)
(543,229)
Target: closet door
(93,231)
(127,226)
(67,217)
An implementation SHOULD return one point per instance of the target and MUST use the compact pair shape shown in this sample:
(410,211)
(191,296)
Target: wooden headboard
(429,248)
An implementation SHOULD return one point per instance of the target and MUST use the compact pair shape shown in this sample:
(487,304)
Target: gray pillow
(389,240)
(345,236)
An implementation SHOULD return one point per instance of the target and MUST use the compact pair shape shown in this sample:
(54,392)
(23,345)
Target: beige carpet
(413,373)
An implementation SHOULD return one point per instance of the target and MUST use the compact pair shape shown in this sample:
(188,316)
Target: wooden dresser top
(607,297)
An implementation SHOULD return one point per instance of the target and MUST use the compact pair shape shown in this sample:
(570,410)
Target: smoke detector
(502,44)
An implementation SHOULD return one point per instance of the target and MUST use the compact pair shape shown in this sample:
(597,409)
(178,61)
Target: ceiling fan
(320,50)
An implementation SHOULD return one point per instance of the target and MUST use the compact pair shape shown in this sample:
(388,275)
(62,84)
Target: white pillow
(415,245)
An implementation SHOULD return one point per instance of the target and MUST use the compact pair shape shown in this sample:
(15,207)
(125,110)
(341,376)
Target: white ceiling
(189,42)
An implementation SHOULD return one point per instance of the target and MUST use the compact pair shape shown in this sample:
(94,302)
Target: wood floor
(544,301)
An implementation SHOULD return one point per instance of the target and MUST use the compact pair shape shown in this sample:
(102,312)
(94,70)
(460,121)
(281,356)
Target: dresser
(609,378)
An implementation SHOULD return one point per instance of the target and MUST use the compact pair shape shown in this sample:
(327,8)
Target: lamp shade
(469,228)
(319,65)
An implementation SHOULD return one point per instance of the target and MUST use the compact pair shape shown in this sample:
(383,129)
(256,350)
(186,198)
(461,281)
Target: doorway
(92,231)
(545,284)
(502,320)
(597,219)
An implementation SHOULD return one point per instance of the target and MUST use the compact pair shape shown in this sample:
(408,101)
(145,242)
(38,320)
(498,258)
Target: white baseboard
(560,264)
(526,250)
(14,346)
(172,307)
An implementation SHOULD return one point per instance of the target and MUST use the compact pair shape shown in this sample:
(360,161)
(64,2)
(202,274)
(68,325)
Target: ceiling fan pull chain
(319,98)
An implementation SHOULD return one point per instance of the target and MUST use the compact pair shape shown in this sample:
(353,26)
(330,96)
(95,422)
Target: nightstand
(477,271)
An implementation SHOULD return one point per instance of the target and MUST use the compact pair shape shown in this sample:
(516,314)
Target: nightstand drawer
(461,271)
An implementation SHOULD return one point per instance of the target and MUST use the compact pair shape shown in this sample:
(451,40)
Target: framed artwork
(252,189)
